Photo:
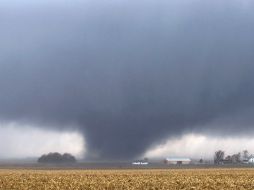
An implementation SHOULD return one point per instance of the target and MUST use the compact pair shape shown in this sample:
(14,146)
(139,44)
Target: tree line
(240,157)
(57,158)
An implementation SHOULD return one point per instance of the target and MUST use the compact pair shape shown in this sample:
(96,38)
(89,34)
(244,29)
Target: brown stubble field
(171,179)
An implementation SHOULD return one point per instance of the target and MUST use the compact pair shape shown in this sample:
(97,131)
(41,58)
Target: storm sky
(128,75)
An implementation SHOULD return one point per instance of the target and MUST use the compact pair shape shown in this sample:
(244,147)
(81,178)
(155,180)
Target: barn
(178,161)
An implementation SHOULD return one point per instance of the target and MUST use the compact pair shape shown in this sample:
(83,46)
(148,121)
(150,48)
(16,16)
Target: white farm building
(251,160)
(178,161)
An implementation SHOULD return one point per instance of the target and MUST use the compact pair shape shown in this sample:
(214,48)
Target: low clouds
(130,74)
(23,141)
(200,146)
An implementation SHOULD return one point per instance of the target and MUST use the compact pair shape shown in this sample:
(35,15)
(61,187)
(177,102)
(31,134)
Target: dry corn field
(127,179)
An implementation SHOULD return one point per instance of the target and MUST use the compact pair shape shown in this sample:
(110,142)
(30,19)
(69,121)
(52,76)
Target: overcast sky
(126,76)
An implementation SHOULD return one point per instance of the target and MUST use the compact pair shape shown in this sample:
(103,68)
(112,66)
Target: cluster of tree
(220,158)
(57,158)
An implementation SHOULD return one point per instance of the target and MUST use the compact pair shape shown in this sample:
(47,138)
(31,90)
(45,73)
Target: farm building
(140,163)
(251,160)
(178,161)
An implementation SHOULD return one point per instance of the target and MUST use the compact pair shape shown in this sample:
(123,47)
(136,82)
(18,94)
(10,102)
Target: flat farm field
(127,179)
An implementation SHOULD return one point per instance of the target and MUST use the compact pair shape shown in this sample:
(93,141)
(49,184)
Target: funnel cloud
(128,74)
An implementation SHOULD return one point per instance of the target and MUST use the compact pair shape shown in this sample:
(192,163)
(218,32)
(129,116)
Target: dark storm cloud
(127,73)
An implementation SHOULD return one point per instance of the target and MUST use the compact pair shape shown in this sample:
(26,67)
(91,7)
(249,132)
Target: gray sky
(128,74)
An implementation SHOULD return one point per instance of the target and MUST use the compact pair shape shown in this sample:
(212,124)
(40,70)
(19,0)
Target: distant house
(140,162)
(251,160)
(178,161)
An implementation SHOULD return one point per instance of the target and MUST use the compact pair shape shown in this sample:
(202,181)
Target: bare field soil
(170,179)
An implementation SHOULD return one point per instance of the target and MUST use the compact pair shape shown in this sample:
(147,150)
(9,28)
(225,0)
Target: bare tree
(245,155)
(228,159)
(236,158)
(219,156)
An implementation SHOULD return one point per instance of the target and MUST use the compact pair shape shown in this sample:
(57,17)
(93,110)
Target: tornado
(128,74)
